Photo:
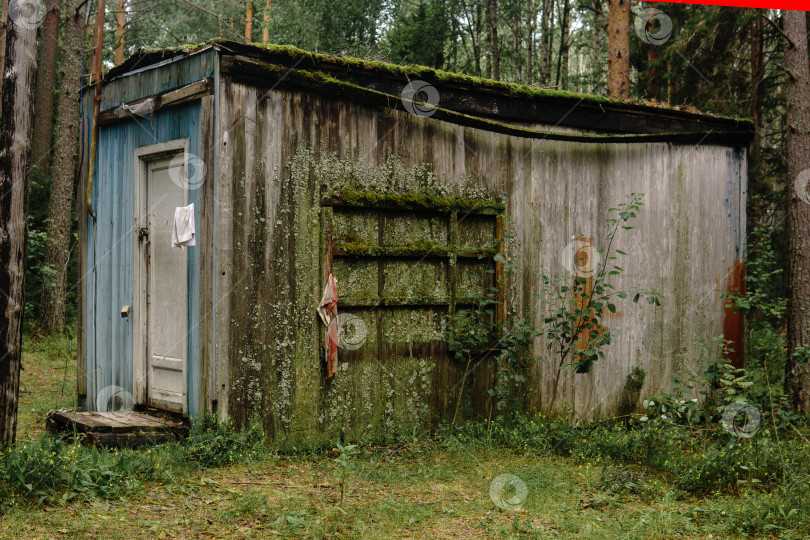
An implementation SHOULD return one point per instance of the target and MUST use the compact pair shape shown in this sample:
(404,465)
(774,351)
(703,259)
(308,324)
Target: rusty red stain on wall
(585,265)
(734,322)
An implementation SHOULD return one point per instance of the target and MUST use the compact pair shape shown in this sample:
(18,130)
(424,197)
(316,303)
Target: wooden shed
(299,163)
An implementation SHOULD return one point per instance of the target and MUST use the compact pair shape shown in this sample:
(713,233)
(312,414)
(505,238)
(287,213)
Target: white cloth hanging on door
(183,233)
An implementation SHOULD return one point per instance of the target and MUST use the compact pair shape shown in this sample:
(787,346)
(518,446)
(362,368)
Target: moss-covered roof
(349,68)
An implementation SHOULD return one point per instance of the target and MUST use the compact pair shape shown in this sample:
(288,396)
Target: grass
(47,381)
(419,492)
(418,489)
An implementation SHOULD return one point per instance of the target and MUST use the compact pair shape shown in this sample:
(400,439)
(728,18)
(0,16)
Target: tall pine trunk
(517,51)
(562,56)
(475,36)
(494,55)
(57,252)
(652,75)
(530,17)
(757,53)
(797,95)
(16,111)
(46,84)
(755,176)
(266,23)
(546,23)
(618,83)
(249,21)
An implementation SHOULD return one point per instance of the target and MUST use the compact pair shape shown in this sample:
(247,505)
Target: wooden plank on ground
(125,428)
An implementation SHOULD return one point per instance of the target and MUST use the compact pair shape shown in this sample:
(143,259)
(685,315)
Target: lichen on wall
(385,386)
(306,146)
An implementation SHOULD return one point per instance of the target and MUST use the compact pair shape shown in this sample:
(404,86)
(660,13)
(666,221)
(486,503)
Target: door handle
(143,232)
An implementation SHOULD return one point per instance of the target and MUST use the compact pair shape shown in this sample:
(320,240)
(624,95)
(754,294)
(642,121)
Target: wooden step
(116,429)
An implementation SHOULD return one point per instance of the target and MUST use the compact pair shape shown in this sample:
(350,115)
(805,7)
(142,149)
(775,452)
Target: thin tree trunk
(494,55)
(562,55)
(16,110)
(618,84)
(46,84)
(653,73)
(249,21)
(57,251)
(266,23)
(517,40)
(96,33)
(3,22)
(670,83)
(120,27)
(755,178)
(546,41)
(529,39)
(95,80)
(476,17)
(797,114)
(757,45)
(595,55)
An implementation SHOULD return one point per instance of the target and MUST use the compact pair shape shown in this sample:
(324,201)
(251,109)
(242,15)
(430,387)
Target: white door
(164,276)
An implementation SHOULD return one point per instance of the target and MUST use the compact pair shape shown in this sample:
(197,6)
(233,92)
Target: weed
(571,305)
(213,443)
(49,469)
(345,465)
(246,504)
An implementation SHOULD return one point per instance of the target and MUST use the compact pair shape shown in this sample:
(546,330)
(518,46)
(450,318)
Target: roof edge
(362,71)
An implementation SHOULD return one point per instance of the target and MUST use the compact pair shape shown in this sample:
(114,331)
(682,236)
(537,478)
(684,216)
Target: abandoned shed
(230,180)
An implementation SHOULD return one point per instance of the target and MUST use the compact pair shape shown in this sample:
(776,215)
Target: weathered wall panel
(687,236)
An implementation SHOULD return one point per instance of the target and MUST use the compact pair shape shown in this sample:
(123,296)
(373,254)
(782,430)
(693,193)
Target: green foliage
(572,303)
(686,437)
(474,334)
(762,302)
(37,272)
(420,33)
(213,443)
(698,462)
(345,465)
(55,470)
(571,325)
(49,469)
(633,384)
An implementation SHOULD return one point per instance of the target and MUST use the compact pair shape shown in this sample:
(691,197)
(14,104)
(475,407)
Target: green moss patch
(412,201)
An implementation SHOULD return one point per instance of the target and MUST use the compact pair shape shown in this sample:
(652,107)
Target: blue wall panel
(158,79)
(110,251)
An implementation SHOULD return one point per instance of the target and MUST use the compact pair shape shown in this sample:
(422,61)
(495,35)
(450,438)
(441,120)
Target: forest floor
(415,490)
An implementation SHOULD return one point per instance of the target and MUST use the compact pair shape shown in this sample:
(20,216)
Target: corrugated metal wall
(107,276)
